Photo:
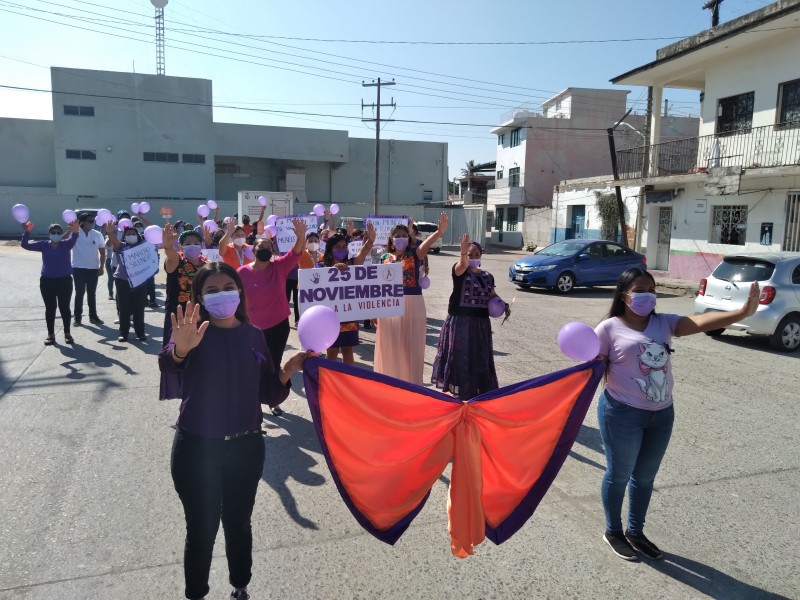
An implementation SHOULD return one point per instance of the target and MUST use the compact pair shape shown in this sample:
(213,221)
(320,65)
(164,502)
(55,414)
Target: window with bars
(513,218)
(170,157)
(729,225)
(82,154)
(735,114)
(499,218)
(79,111)
(197,159)
(515,137)
(513,177)
(499,175)
(788,113)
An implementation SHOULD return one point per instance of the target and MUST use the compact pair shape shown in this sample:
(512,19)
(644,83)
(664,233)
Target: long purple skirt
(464,363)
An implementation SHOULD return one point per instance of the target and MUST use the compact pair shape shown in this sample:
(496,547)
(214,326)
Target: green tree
(609,215)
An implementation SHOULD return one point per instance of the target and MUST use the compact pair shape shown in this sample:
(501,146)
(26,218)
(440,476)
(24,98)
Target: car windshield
(561,249)
(744,269)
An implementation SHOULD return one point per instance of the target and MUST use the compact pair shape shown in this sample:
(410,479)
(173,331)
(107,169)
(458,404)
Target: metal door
(791,233)
(664,237)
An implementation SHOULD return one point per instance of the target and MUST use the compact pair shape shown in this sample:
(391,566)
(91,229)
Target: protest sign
(140,262)
(360,292)
(212,254)
(285,236)
(383,225)
(353,248)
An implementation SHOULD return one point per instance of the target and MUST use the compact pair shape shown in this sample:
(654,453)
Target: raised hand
(73,227)
(443,220)
(300,228)
(27,226)
(168,236)
(371,234)
(465,242)
(751,304)
(185,332)
(230,227)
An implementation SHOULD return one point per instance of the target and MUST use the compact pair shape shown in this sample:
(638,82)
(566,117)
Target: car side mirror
(583,257)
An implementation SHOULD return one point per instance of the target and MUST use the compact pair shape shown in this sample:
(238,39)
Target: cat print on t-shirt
(653,363)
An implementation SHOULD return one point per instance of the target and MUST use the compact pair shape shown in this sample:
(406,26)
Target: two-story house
(735,187)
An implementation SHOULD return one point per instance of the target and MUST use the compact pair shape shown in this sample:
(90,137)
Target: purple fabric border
(526,507)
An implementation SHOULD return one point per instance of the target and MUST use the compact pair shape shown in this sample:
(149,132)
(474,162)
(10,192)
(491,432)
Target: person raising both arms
(635,412)
(400,341)
(218,449)
(233,247)
(55,282)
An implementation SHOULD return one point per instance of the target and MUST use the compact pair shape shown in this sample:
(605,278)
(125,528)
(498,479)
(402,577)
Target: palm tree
(469,171)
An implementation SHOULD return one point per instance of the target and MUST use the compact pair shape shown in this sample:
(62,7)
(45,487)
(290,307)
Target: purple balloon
(318,328)
(334,209)
(144,207)
(497,307)
(579,341)
(154,234)
(319,210)
(203,211)
(211,225)
(424,282)
(69,216)
(136,207)
(125,224)
(272,230)
(20,213)
(272,220)
(226,220)
(104,214)
(211,204)
(262,201)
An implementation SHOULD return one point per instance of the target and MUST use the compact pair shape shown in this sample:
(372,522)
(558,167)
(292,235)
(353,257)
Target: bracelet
(178,356)
(464,255)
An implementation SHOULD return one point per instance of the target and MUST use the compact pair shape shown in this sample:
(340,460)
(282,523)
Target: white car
(778,313)
(425,231)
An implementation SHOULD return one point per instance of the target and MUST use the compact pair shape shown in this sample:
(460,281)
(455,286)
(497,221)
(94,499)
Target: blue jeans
(635,441)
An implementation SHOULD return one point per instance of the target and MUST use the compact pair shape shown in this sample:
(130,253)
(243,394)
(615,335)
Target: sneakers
(644,546)
(620,546)
(153,304)
(122,338)
(141,338)
(116,321)
(110,297)
(95,320)
(240,595)
(77,322)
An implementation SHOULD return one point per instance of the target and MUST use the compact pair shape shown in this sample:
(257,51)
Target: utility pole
(377,84)
(620,205)
(637,244)
(713,6)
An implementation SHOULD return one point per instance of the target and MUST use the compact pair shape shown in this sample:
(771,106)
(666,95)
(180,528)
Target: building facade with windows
(563,138)
(117,138)
(736,186)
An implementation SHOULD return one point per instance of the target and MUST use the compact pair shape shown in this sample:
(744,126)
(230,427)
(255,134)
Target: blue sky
(240,45)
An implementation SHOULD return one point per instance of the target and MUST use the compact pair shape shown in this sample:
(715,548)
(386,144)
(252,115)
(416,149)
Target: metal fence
(768,146)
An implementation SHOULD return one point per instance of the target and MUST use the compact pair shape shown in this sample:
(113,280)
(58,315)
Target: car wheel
(565,282)
(787,335)
(716,332)
(437,250)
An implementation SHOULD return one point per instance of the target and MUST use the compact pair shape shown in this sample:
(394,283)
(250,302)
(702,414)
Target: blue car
(564,265)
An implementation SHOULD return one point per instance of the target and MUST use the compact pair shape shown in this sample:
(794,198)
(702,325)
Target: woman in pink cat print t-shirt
(635,411)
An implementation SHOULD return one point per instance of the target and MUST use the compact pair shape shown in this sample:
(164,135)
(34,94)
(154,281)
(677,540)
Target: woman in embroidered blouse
(238,252)
(400,341)
(218,451)
(634,412)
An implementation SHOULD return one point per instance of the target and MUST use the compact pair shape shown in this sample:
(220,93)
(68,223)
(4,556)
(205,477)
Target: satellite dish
(159,3)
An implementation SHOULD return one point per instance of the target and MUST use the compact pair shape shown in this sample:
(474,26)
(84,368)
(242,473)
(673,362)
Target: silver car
(778,313)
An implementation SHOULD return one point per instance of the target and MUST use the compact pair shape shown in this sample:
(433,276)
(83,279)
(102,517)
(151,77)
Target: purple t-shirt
(639,364)
(56,262)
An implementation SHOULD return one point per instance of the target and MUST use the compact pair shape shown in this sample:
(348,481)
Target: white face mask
(238,242)
(131,239)
(313,246)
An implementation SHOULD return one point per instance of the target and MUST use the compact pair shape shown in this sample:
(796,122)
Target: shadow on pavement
(752,342)
(708,580)
(589,437)
(287,457)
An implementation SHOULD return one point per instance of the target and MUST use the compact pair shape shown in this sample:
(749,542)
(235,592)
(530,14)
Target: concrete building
(116,138)
(564,139)
(735,187)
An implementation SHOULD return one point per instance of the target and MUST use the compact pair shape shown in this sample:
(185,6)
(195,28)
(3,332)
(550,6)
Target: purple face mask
(192,251)
(474,263)
(642,303)
(401,243)
(339,253)
(221,305)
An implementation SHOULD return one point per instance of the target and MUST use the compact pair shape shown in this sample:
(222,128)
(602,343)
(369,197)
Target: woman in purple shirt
(635,412)
(55,284)
(218,453)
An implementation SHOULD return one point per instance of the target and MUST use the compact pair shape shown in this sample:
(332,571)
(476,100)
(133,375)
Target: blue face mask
(55,237)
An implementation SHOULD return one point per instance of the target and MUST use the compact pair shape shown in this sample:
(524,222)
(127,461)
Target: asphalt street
(88,510)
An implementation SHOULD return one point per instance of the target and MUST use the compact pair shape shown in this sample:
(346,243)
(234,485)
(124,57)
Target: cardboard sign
(285,236)
(212,254)
(383,225)
(353,248)
(140,262)
(360,292)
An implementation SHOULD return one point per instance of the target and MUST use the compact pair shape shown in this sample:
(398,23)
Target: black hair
(52,225)
(246,219)
(131,231)
(623,283)
(237,228)
(206,271)
(83,216)
(327,258)
(394,230)
(312,233)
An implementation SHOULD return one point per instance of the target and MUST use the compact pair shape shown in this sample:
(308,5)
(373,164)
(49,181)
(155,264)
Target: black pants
(151,289)
(217,479)
(130,302)
(110,273)
(291,295)
(276,338)
(85,282)
(56,291)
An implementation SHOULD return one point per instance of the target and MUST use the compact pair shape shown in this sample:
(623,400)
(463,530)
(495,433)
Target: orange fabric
(388,447)
(230,256)
(305,261)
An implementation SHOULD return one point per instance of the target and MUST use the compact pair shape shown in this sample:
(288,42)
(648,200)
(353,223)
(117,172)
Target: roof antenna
(159,4)
(712,5)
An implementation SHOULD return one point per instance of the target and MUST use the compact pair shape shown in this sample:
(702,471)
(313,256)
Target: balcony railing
(768,146)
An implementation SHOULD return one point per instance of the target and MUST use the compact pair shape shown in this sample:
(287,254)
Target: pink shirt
(639,364)
(265,290)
